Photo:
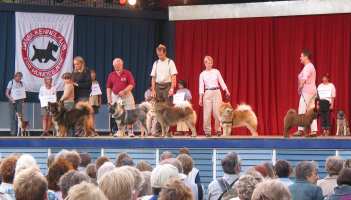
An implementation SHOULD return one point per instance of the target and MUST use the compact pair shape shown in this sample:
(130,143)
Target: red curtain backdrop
(259,60)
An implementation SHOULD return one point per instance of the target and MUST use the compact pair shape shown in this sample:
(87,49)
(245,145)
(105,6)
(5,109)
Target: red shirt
(118,82)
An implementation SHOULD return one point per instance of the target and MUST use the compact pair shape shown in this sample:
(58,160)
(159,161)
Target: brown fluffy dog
(292,119)
(168,115)
(81,115)
(242,116)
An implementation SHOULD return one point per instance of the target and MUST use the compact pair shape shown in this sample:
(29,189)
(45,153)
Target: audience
(30,184)
(85,191)
(146,189)
(343,189)
(271,190)
(166,155)
(105,168)
(245,187)
(144,166)
(175,189)
(51,159)
(138,179)
(159,176)
(305,187)
(124,159)
(231,169)
(57,169)
(283,170)
(90,170)
(25,161)
(7,171)
(85,161)
(333,166)
(70,179)
(100,161)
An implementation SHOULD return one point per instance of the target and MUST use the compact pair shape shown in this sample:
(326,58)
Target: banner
(44,47)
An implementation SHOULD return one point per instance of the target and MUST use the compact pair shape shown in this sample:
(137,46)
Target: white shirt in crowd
(215,190)
(328,184)
(211,79)
(326,91)
(163,70)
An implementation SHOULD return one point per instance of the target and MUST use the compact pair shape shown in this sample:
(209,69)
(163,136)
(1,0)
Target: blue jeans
(16,107)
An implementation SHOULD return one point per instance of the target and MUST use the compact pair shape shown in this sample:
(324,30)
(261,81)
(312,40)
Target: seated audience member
(85,191)
(159,176)
(146,190)
(25,161)
(144,166)
(117,184)
(165,155)
(333,165)
(231,168)
(305,187)
(24,182)
(245,187)
(138,179)
(100,161)
(124,159)
(343,190)
(194,175)
(85,160)
(91,172)
(271,190)
(56,170)
(105,168)
(7,171)
(283,170)
(70,179)
(270,170)
(175,189)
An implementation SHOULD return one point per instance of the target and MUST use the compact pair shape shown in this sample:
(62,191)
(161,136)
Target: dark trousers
(162,92)
(16,107)
(324,110)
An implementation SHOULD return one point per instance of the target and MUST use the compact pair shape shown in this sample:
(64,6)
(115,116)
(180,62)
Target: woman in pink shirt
(210,82)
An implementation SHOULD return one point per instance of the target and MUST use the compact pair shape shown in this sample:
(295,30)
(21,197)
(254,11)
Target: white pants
(211,101)
(307,103)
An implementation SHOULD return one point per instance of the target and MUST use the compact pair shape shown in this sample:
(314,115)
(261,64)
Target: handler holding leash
(119,86)
(307,91)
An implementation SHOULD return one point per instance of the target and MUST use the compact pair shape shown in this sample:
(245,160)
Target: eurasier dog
(242,116)
(125,117)
(292,119)
(22,126)
(342,125)
(169,115)
(79,116)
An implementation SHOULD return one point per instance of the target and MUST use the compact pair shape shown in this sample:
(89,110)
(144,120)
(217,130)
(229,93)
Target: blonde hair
(82,61)
(30,184)
(117,184)
(138,177)
(175,188)
(272,190)
(85,191)
(209,58)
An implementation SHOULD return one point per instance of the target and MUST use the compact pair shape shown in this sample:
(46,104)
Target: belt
(214,88)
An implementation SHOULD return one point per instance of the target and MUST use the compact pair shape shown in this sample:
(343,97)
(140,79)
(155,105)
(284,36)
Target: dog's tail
(291,111)
(85,107)
(243,107)
(246,108)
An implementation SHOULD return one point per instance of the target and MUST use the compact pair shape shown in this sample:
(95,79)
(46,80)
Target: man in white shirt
(333,166)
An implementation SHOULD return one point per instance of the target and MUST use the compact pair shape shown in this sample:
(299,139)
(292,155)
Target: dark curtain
(101,39)
(259,60)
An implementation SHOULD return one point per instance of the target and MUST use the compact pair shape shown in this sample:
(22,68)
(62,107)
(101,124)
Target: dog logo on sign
(44,51)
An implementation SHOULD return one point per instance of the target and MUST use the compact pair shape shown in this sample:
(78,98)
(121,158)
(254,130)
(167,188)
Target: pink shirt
(211,79)
(308,74)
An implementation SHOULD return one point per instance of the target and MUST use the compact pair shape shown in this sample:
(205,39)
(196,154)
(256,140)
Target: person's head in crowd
(7,169)
(18,77)
(144,166)
(117,184)
(271,190)
(56,170)
(182,84)
(262,170)
(90,170)
(70,179)
(118,64)
(184,150)
(175,189)
(269,169)
(187,163)
(24,182)
(245,187)
(161,51)
(48,81)
(100,161)
(257,175)
(173,161)
(73,157)
(282,169)
(166,155)
(344,177)
(326,78)
(93,74)
(85,191)
(146,187)
(305,56)
(160,175)
(25,161)
(79,64)
(50,160)
(85,159)
(333,165)
(307,170)
(67,77)
(105,168)
(230,163)
(138,179)
(347,163)
(124,159)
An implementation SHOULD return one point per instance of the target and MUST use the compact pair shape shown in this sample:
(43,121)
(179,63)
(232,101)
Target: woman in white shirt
(47,93)
(326,93)
(210,82)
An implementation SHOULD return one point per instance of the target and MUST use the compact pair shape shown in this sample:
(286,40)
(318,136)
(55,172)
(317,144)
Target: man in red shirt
(119,85)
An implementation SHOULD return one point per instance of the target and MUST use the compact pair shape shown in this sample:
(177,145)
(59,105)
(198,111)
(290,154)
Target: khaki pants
(306,103)
(128,100)
(211,101)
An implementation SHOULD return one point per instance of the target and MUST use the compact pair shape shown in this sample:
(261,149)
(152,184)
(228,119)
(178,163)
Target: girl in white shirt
(326,93)
(46,90)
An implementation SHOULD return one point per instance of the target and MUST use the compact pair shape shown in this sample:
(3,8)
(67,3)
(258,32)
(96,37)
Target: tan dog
(242,116)
(168,115)
(292,119)
(23,125)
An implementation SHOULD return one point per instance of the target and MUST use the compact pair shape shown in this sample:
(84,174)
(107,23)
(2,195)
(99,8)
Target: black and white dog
(125,117)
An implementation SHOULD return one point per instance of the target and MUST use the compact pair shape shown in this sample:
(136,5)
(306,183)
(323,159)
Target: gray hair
(230,163)
(138,177)
(245,187)
(257,175)
(85,191)
(173,161)
(106,167)
(333,165)
(272,190)
(166,155)
(146,187)
(70,179)
(305,169)
(25,161)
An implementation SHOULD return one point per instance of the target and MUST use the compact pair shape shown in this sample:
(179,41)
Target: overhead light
(122,2)
(132,2)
